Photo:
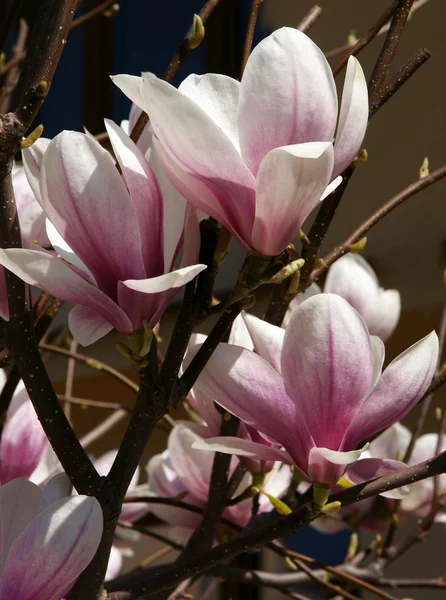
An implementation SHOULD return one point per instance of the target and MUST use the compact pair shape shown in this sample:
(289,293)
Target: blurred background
(407,249)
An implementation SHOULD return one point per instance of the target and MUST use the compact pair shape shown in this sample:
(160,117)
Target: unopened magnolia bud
(224,237)
(41,89)
(123,349)
(111,12)
(358,246)
(287,271)
(290,563)
(303,237)
(32,137)
(361,158)
(331,508)
(352,546)
(438,413)
(424,169)
(352,38)
(197,33)
(2,60)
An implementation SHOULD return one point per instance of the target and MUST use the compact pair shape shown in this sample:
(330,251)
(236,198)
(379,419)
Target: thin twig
(249,36)
(377,216)
(88,16)
(69,379)
(12,76)
(310,18)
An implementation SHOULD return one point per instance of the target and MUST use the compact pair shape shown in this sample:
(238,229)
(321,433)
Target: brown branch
(89,15)
(377,216)
(390,46)
(365,39)
(388,89)
(12,76)
(250,30)
(310,18)
(175,64)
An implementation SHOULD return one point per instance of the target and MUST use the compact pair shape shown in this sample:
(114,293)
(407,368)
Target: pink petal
(32,162)
(55,277)
(287,96)
(23,440)
(87,326)
(353,117)
(58,544)
(239,333)
(371,468)
(313,290)
(58,487)
(328,466)
(217,95)
(267,339)
(398,390)
(392,443)
(19,504)
(290,183)
(87,201)
(204,406)
(31,216)
(114,564)
(145,196)
(327,366)
(242,448)
(388,309)
(175,279)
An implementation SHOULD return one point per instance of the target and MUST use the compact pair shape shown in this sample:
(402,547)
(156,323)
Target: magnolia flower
(24,447)
(257,155)
(326,393)
(116,241)
(47,538)
(354,279)
(182,471)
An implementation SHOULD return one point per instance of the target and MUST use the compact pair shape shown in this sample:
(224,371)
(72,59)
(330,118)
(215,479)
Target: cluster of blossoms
(118,236)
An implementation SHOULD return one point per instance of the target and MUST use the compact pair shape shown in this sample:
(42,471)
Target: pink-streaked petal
(398,390)
(175,279)
(239,333)
(327,366)
(311,291)
(19,504)
(426,448)
(63,249)
(32,162)
(290,183)
(191,238)
(58,487)
(31,216)
(392,443)
(145,196)
(204,406)
(58,544)
(217,95)
(55,277)
(353,116)
(287,96)
(267,339)
(174,211)
(379,352)
(328,466)
(87,326)
(192,466)
(87,201)
(248,387)
(242,448)
(371,468)
(48,466)
(23,440)
(114,564)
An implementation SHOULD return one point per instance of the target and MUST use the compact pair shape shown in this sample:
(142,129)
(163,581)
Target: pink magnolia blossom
(354,279)
(116,241)
(47,538)
(257,155)
(24,447)
(328,394)
(183,470)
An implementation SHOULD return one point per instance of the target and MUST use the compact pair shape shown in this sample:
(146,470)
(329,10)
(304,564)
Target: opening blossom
(257,155)
(326,394)
(183,470)
(47,538)
(354,279)
(115,237)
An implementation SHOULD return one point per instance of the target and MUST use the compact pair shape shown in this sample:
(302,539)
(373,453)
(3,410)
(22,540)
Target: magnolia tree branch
(250,30)
(310,19)
(376,217)
(46,44)
(276,528)
(390,46)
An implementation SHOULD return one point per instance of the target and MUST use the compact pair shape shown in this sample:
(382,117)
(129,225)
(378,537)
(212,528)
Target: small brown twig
(174,65)
(390,46)
(377,216)
(69,378)
(89,15)
(12,76)
(310,18)
(249,37)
